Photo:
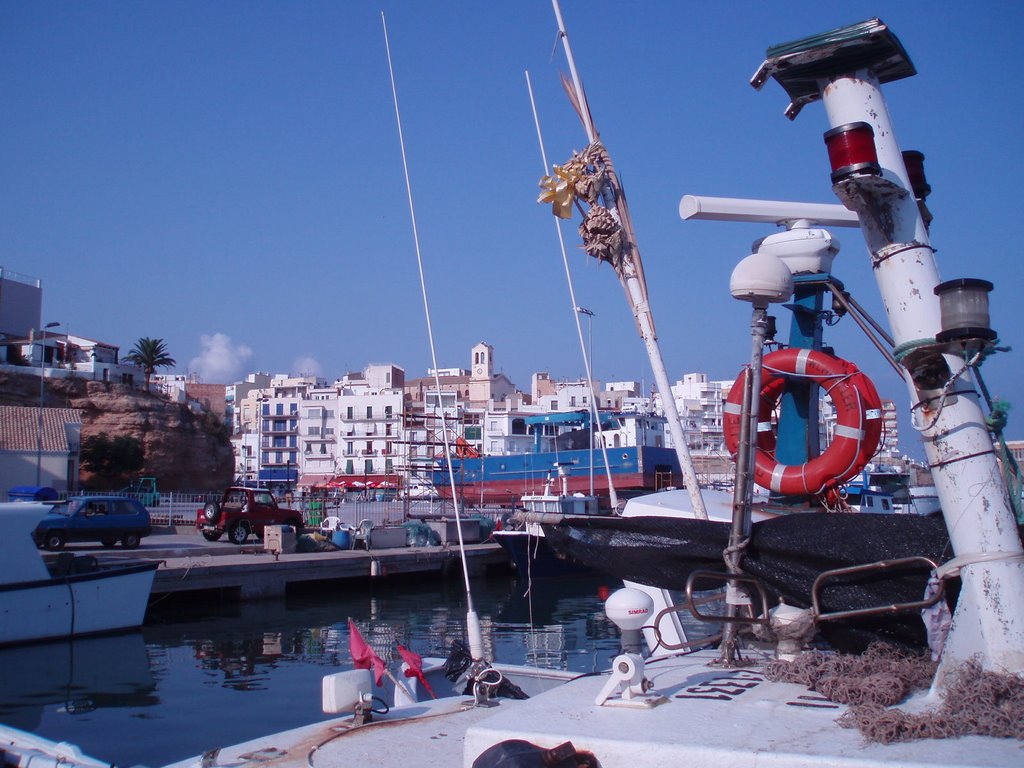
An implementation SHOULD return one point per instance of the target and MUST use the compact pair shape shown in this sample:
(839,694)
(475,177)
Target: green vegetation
(214,425)
(150,354)
(112,459)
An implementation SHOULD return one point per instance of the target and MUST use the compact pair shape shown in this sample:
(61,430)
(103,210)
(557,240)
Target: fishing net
(974,701)
(785,554)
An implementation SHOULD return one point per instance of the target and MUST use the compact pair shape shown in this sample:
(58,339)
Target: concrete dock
(256,574)
(188,563)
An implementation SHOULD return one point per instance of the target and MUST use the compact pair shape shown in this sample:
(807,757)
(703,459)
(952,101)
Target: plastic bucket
(342,539)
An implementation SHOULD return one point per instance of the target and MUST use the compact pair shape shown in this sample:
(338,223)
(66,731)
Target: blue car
(106,519)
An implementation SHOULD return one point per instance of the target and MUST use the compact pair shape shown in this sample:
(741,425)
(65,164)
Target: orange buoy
(858,422)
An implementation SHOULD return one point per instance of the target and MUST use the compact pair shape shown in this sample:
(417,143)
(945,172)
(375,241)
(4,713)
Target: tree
(112,459)
(150,354)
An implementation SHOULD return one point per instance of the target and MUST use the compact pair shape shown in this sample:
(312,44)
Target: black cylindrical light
(914,161)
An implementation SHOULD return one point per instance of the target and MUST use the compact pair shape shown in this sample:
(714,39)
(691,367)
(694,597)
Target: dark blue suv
(106,519)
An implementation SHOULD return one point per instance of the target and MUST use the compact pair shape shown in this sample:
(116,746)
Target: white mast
(987,623)
(631,275)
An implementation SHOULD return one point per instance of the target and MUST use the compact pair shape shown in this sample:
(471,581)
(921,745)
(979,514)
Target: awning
(308,481)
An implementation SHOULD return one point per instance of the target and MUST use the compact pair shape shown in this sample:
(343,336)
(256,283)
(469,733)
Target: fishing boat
(761,688)
(637,459)
(523,537)
(888,489)
(75,597)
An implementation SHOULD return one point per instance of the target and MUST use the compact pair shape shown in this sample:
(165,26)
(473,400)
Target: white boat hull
(79,604)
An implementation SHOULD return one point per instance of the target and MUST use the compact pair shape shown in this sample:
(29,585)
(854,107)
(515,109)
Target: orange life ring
(858,421)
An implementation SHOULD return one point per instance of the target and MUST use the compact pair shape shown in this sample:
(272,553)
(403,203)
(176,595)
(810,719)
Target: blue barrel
(32,493)
(342,539)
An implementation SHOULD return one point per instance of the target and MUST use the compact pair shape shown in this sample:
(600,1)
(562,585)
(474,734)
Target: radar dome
(629,608)
(761,279)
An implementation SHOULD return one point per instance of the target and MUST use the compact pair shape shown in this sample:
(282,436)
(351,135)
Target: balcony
(282,431)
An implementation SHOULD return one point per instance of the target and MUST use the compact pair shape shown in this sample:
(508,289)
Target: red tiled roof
(19,428)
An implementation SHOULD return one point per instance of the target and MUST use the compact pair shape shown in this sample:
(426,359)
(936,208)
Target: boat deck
(711,718)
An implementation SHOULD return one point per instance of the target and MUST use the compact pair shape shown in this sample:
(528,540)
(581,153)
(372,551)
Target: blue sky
(226,176)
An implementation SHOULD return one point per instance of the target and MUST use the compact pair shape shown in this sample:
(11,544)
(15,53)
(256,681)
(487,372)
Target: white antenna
(473,630)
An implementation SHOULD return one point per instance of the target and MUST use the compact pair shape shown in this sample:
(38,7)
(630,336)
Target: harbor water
(202,675)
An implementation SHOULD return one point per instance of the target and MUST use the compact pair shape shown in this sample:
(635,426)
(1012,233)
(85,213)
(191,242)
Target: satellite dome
(761,279)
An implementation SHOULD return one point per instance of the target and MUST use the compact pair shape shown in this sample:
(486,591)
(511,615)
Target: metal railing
(180,508)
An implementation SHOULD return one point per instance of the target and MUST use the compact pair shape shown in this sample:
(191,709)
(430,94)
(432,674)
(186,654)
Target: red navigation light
(914,161)
(851,151)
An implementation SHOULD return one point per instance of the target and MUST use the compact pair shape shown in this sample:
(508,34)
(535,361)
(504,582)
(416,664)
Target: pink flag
(363,656)
(415,663)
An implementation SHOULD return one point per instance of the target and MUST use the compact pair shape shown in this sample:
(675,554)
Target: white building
(700,403)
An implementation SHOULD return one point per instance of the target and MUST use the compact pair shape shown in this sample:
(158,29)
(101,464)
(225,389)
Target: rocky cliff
(181,452)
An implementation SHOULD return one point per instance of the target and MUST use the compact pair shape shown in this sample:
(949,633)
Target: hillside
(180,453)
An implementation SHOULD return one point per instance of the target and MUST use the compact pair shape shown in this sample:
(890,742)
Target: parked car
(106,519)
(244,511)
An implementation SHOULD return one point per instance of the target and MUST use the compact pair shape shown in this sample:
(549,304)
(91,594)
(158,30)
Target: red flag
(415,663)
(363,656)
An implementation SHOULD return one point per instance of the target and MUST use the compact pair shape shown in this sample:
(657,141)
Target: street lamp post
(42,372)
(590,375)
(260,398)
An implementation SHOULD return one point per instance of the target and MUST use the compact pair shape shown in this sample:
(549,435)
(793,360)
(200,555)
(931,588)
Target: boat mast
(630,271)
(844,69)
(474,630)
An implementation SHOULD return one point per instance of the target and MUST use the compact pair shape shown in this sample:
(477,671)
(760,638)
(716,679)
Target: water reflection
(239,646)
(74,677)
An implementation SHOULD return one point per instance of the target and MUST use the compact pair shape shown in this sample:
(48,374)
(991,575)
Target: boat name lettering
(723,688)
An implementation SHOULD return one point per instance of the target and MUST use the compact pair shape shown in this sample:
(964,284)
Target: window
(279,409)
(313,431)
(369,446)
(348,412)
(369,411)
(328,431)
(388,410)
(368,466)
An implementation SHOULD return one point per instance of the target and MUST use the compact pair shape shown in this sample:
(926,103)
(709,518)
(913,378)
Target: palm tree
(150,354)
